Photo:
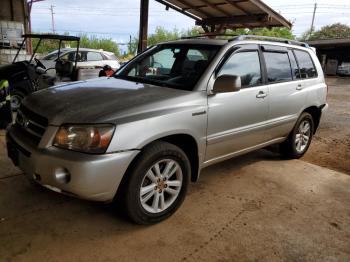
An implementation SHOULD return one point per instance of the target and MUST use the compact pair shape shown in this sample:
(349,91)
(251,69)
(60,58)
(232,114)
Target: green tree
(282,32)
(107,44)
(336,30)
(161,34)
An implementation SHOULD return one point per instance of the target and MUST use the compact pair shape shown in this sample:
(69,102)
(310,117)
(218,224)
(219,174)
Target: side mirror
(227,83)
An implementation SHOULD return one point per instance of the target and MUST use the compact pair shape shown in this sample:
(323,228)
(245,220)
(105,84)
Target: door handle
(299,87)
(261,94)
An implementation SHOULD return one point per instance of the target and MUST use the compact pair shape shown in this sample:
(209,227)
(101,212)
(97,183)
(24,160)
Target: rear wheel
(300,138)
(157,183)
(16,99)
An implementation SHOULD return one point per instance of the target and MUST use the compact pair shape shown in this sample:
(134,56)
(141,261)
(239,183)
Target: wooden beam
(193,7)
(143,29)
(203,5)
(217,8)
(235,5)
(178,9)
(12,11)
(240,19)
(271,13)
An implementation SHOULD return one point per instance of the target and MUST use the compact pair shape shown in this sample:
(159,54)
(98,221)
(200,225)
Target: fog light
(62,175)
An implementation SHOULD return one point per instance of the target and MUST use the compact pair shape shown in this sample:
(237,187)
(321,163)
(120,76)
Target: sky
(118,19)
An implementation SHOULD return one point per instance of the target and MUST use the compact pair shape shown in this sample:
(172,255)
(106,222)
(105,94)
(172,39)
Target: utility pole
(313,19)
(52,19)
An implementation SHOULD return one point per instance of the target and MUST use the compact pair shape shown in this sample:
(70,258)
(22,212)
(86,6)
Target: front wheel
(157,183)
(300,138)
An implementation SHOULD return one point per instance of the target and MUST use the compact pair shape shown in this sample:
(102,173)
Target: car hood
(104,100)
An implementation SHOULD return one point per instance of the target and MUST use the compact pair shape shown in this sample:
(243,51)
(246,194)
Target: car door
(236,119)
(286,90)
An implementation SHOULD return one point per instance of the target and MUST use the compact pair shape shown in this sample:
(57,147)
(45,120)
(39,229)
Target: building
(332,53)
(13,24)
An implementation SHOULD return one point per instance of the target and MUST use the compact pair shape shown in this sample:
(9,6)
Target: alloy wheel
(161,186)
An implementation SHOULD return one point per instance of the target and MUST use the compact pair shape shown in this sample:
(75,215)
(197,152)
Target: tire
(16,99)
(143,174)
(299,139)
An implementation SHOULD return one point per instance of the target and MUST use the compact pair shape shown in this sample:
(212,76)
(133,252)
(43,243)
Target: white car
(344,69)
(86,58)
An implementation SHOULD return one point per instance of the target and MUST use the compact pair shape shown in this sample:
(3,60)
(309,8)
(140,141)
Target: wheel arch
(315,112)
(185,142)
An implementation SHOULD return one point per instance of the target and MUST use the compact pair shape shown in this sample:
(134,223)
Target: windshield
(176,66)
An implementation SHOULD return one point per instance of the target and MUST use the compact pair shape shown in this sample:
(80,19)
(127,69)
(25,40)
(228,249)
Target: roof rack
(268,38)
(205,35)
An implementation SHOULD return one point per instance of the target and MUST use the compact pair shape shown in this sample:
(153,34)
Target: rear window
(278,67)
(94,56)
(306,66)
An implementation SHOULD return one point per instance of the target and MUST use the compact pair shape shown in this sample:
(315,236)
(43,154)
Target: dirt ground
(252,208)
(331,146)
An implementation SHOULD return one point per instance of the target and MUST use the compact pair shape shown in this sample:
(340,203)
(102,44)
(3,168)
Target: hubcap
(303,135)
(161,186)
(15,102)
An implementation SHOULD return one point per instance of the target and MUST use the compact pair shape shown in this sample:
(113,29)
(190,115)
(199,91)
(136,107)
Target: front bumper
(92,177)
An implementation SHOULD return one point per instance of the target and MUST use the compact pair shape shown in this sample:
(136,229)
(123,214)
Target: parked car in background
(142,135)
(344,69)
(86,58)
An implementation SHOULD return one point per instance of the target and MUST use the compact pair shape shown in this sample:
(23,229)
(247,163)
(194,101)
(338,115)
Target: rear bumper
(92,177)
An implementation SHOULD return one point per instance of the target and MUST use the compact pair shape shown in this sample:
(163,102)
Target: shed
(217,15)
(332,53)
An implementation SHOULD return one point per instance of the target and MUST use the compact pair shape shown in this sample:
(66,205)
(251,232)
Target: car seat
(64,70)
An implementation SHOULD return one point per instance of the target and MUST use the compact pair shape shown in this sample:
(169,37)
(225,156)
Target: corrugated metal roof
(229,13)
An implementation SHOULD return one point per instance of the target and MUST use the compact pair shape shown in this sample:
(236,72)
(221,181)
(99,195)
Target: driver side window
(246,65)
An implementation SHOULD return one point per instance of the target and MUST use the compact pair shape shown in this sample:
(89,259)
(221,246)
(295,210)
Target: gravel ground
(331,145)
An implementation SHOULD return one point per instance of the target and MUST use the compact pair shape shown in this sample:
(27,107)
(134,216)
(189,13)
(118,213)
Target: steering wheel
(38,63)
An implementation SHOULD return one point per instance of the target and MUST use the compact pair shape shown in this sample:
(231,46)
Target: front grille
(31,124)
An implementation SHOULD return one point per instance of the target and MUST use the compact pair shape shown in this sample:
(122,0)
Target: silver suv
(141,136)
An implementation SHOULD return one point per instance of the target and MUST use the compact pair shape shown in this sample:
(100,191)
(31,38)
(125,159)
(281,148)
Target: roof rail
(269,38)
(208,35)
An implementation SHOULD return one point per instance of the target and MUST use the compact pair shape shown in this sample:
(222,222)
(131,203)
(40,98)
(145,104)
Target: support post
(143,30)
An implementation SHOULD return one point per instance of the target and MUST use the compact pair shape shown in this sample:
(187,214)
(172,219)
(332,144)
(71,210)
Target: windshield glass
(176,66)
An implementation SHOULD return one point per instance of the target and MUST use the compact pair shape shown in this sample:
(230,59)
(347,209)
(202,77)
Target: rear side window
(94,56)
(306,66)
(278,67)
(246,65)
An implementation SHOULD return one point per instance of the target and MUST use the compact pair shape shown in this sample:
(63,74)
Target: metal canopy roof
(215,15)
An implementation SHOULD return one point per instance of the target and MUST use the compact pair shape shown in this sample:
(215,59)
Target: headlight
(93,139)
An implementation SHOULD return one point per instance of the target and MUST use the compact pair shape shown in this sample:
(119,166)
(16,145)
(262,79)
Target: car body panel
(222,125)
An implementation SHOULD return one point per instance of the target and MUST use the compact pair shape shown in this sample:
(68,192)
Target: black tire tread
(287,148)
(129,193)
